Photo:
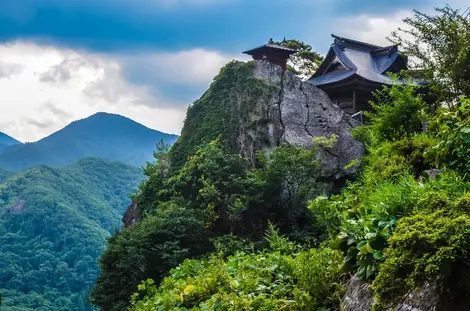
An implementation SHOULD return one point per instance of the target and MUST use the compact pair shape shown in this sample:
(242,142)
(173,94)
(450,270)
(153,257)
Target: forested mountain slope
(103,135)
(53,226)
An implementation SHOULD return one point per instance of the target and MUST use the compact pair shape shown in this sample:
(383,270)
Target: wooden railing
(357,116)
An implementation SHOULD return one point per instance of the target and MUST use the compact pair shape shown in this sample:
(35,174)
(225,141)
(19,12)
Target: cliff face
(302,112)
(255,106)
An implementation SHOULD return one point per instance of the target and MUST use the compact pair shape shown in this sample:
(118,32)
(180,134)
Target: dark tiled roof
(368,61)
(271,46)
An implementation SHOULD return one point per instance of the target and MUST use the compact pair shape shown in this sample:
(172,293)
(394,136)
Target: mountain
(103,135)
(53,226)
(7,140)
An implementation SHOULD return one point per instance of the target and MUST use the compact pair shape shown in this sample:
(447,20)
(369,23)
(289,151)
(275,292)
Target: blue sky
(225,25)
(149,59)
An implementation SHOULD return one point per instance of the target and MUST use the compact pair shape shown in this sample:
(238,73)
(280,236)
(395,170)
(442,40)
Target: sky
(63,60)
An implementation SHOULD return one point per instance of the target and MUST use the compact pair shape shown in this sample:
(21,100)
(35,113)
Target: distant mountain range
(102,135)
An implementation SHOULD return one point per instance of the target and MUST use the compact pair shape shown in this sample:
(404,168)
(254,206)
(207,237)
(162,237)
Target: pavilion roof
(269,46)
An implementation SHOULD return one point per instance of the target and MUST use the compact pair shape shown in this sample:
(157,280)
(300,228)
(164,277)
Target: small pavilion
(273,53)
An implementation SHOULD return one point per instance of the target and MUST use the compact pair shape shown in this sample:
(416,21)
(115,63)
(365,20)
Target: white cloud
(189,67)
(376,28)
(371,29)
(57,86)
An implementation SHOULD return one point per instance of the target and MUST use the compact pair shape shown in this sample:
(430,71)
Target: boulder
(359,297)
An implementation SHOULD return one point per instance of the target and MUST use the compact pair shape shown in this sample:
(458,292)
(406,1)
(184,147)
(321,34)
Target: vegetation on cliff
(223,112)
(215,199)
(219,233)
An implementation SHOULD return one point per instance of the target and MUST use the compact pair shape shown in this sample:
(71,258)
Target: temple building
(352,70)
(349,74)
(273,53)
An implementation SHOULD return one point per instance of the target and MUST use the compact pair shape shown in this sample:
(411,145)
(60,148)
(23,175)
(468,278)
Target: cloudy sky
(63,60)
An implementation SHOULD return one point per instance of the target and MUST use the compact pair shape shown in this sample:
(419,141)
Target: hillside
(53,227)
(103,135)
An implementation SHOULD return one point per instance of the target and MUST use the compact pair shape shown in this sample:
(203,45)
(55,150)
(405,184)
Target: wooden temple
(352,70)
(273,53)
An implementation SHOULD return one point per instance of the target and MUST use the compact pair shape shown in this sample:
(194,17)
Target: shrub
(426,247)
(268,280)
(451,129)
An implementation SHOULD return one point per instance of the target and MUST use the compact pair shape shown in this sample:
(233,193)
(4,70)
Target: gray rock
(359,297)
(132,215)
(300,112)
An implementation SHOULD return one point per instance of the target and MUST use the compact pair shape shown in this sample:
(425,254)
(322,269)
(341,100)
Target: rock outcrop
(300,112)
(254,107)
(359,297)
(131,216)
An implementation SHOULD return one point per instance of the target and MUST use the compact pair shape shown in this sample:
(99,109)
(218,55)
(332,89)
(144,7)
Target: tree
(439,45)
(305,61)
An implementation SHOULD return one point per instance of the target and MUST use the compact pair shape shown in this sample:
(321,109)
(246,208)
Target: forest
(221,232)
(53,227)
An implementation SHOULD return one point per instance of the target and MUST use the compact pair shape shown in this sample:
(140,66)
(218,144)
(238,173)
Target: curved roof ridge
(357,43)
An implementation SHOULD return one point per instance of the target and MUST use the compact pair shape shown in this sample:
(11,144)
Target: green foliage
(216,201)
(398,225)
(227,245)
(364,216)
(149,250)
(53,227)
(451,130)
(4,174)
(223,112)
(440,45)
(398,111)
(269,280)
(289,178)
(305,61)
(426,247)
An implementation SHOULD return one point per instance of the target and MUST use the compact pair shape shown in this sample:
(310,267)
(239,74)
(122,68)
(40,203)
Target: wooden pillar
(355,108)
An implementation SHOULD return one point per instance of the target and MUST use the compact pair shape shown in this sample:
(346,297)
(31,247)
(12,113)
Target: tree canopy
(439,45)
(53,227)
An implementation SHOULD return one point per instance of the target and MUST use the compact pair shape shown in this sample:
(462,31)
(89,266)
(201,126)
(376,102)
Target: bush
(451,129)
(215,200)
(398,111)
(268,280)
(426,247)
